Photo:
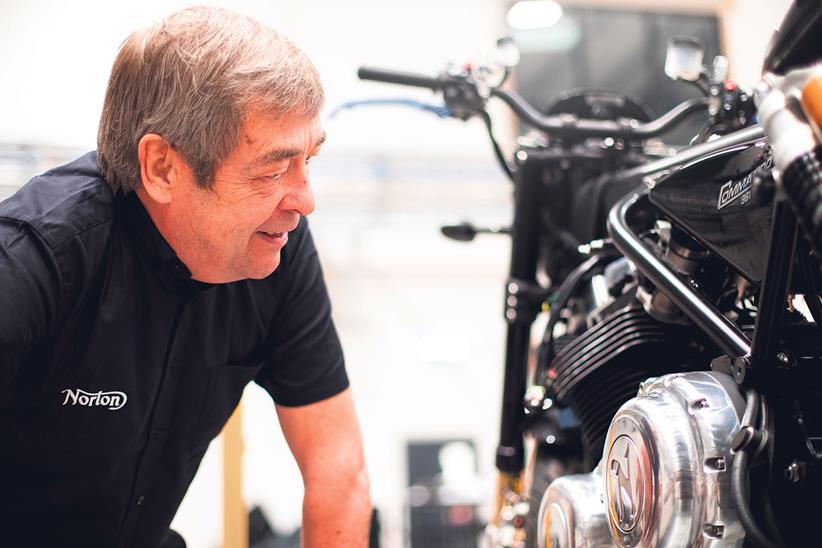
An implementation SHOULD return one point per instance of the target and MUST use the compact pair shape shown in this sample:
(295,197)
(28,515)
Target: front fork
(522,302)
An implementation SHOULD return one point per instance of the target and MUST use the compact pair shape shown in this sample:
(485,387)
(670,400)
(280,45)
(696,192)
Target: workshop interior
(572,249)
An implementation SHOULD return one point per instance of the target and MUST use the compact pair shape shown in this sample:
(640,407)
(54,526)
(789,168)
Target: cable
(739,478)
(443,111)
(497,150)
(566,290)
(767,425)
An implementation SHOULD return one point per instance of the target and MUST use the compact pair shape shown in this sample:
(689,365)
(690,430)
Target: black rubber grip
(802,181)
(399,77)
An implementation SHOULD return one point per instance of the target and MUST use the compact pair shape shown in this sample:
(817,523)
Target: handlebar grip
(399,77)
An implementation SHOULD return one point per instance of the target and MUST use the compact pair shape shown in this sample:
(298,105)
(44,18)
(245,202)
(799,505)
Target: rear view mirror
(683,59)
(506,54)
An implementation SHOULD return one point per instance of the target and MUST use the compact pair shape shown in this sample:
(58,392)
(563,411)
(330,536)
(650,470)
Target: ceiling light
(534,14)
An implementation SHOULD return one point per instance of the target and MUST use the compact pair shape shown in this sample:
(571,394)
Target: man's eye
(308,159)
(275,176)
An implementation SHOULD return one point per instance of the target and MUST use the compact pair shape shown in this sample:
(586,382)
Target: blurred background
(420,316)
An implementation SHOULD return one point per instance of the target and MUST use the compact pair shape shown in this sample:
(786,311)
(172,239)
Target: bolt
(795,472)
(740,369)
(701,403)
(715,531)
(716,463)
(534,398)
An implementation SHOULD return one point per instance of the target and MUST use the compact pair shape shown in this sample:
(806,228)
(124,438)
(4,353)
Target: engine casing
(665,474)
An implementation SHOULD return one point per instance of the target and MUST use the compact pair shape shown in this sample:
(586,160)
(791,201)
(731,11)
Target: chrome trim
(571,514)
(666,469)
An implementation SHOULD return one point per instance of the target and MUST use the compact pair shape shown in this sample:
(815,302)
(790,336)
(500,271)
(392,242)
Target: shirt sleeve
(306,363)
(29,288)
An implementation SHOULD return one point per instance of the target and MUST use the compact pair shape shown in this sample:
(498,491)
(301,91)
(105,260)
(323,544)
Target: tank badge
(733,190)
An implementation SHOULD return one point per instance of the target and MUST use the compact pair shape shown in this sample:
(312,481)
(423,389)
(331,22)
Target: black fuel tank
(711,199)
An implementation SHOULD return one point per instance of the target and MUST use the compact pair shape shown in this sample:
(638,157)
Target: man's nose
(300,197)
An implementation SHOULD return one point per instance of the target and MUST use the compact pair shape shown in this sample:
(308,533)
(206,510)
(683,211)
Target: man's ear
(158,167)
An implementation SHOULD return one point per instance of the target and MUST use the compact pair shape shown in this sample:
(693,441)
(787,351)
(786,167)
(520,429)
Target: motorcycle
(671,397)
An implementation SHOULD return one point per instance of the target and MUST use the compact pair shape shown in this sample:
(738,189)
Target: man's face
(236,229)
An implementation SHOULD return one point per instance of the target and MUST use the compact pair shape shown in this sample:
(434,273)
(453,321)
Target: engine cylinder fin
(599,357)
(599,370)
(618,333)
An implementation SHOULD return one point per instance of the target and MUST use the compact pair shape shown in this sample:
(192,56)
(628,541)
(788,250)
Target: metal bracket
(523,300)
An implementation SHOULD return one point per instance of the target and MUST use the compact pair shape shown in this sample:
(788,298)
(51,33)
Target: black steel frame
(757,360)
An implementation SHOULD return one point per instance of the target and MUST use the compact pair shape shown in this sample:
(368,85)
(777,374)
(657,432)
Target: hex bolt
(795,472)
(701,403)
(712,530)
(534,398)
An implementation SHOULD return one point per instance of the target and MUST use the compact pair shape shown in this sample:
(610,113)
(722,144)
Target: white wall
(748,26)
(56,56)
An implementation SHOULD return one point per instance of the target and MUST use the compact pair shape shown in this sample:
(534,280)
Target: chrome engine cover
(665,475)
(666,466)
(572,514)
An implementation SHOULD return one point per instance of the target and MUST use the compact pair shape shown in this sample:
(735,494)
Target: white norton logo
(112,400)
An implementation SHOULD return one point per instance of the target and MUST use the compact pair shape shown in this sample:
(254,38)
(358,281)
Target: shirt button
(140,500)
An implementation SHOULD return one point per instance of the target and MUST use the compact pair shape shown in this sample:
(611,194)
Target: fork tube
(524,249)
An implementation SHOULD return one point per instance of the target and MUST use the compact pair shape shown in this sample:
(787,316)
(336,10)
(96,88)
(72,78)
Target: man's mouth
(275,238)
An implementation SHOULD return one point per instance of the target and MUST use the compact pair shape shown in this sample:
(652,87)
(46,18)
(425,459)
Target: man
(144,285)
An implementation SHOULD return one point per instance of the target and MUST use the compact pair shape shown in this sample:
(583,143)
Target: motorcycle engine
(664,479)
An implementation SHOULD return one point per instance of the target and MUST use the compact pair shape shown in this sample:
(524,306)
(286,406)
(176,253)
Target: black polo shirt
(117,369)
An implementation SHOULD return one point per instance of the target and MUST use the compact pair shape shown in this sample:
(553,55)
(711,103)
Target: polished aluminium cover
(572,515)
(666,468)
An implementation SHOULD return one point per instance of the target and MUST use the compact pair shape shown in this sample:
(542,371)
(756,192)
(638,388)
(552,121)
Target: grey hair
(193,78)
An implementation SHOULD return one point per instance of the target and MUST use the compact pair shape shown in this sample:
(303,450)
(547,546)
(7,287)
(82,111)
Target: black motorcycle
(674,396)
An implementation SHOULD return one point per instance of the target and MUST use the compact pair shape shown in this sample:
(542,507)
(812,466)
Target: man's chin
(263,270)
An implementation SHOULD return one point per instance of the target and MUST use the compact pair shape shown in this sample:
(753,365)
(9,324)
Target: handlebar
(568,126)
(400,77)
(572,126)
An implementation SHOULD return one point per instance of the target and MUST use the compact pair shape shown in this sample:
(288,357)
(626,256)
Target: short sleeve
(29,290)
(305,364)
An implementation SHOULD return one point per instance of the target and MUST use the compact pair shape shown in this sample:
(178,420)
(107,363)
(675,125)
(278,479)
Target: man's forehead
(287,150)
(268,140)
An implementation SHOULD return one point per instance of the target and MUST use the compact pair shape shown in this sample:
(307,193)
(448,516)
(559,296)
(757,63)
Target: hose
(739,475)
(739,482)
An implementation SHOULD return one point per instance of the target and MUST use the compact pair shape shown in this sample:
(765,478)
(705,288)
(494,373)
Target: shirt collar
(152,246)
